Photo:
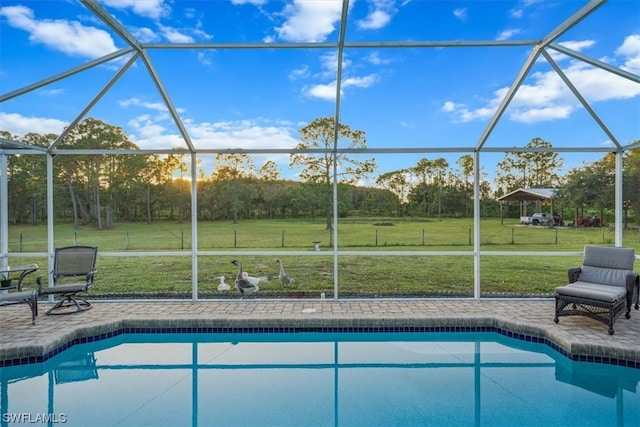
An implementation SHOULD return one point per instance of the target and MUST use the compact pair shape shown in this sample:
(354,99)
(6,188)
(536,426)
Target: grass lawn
(373,272)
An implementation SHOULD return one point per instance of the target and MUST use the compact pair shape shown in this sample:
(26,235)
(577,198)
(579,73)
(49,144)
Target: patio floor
(577,335)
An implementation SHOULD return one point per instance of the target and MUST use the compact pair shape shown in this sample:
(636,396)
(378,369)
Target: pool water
(318,379)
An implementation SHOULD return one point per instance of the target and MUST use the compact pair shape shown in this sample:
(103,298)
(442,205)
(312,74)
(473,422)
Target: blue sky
(259,98)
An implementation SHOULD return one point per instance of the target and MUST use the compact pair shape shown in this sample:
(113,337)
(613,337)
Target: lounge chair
(602,288)
(15,294)
(73,272)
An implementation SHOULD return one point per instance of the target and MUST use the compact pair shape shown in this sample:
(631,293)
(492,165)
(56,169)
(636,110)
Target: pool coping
(45,347)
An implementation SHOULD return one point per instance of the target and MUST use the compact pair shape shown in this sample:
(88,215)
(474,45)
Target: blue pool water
(318,379)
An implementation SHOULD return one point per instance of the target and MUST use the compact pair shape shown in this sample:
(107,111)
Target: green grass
(360,233)
(365,275)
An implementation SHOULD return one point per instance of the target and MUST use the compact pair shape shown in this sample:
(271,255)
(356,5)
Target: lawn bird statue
(223,286)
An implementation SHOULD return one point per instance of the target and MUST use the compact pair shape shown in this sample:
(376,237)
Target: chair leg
(560,305)
(69,301)
(58,305)
(33,304)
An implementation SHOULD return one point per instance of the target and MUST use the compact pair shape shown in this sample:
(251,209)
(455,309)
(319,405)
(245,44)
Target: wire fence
(160,239)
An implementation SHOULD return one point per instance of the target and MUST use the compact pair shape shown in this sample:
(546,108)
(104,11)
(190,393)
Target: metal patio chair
(73,273)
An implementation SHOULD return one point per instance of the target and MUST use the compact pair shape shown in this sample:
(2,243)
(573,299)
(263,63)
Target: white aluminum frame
(139,50)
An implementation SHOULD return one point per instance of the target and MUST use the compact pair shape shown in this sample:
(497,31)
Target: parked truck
(537,218)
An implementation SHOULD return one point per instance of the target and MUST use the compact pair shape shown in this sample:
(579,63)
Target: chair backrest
(607,265)
(74,261)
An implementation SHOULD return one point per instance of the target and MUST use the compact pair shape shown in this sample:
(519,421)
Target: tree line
(101,189)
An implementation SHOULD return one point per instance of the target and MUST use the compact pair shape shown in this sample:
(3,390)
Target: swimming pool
(318,379)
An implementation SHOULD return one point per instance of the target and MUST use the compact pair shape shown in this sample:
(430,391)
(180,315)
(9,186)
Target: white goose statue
(223,286)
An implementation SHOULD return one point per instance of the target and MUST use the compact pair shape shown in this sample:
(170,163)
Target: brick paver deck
(577,335)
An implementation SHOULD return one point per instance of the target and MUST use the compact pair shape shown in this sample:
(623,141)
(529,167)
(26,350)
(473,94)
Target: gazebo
(523,195)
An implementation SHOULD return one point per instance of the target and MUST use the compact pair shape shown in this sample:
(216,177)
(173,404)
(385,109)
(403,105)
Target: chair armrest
(574,274)
(90,277)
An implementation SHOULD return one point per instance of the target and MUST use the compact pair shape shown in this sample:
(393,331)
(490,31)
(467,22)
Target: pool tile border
(322,329)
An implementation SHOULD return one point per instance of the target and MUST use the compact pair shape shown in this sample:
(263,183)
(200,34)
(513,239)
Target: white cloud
(507,34)
(309,21)
(545,97)
(20,125)
(461,13)
(379,16)
(198,32)
(327,91)
(376,59)
(299,73)
(145,128)
(170,34)
(243,133)
(153,9)
(204,58)
(323,91)
(174,35)
(535,115)
(145,35)
(516,13)
(448,107)
(156,106)
(365,81)
(252,2)
(329,64)
(53,92)
(596,84)
(630,49)
(575,45)
(190,13)
(461,113)
(578,45)
(149,133)
(375,20)
(158,131)
(69,37)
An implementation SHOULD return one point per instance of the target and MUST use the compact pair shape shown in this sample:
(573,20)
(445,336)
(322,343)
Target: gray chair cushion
(604,276)
(592,291)
(608,257)
(61,289)
(606,265)
(17,296)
